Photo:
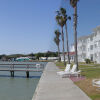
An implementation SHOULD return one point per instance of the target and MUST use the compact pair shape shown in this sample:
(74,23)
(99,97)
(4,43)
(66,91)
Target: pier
(12,68)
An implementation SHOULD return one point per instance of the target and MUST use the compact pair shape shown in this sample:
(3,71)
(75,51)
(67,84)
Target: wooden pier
(22,67)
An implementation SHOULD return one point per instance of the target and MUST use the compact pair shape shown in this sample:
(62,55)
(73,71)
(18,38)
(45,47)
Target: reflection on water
(19,87)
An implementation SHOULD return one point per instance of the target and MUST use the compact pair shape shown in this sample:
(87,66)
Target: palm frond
(73,3)
(69,17)
(60,20)
(58,12)
(63,11)
(57,41)
(57,33)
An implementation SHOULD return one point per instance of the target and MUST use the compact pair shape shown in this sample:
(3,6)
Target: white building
(53,58)
(89,46)
(42,58)
(48,58)
(82,48)
(71,55)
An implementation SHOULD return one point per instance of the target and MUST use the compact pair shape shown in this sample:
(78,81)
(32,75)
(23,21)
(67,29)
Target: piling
(27,74)
(12,73)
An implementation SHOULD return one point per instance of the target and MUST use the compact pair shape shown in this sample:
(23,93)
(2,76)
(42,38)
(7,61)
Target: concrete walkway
(53,87)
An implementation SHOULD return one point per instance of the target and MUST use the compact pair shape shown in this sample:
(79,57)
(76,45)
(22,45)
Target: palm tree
(57,41)
(63,12)
(74,5)
(60,21)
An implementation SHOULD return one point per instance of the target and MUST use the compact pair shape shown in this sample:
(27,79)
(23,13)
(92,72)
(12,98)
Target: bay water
(18,87)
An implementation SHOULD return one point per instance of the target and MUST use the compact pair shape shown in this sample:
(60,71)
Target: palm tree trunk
(63,46)
(75,35)
(67,43)
(58,53)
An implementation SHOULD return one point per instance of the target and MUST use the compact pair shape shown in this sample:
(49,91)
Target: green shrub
(87,61)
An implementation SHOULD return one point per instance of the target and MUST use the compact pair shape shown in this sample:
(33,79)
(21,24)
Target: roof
(90,35)
(82,37)
(70,53)
(96,29)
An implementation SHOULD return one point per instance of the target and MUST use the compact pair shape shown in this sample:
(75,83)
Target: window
(72,57)
(99,43)
(91,47)
(84,48)
(88,39)
(91,38)
(91,57)
(95,55)
(95,45)
(84,41)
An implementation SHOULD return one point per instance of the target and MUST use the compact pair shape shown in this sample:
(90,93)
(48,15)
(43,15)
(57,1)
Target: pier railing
(22,67)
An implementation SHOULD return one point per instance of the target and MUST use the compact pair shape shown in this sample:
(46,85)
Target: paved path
(53,87)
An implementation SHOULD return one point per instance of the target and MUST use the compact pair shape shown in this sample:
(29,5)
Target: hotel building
(89,46)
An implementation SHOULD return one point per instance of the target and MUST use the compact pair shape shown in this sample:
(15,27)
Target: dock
(53,87)
(22,68)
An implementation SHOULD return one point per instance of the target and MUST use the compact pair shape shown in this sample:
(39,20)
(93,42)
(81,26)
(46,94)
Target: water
(19,87)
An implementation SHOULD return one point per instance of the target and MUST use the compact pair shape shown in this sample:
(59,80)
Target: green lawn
(60,64)
(90,71)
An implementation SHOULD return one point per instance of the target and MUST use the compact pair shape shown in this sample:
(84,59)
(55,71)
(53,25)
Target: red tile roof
(71,53)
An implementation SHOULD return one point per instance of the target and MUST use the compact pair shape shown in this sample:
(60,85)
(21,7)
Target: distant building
(22,59)
(48,58)
(71,55)
(53,58)
(32,57)
(42,58)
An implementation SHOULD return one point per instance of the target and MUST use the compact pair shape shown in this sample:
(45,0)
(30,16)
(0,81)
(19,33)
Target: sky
(27,26)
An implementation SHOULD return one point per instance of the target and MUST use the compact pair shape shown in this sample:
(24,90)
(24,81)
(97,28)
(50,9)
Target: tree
(57,41)
(38,55)
(60,21)
(31,54)
(63,12)
(74,5)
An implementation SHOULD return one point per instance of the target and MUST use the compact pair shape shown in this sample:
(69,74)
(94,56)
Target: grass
(86,86)
(90,71)
(60,65)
